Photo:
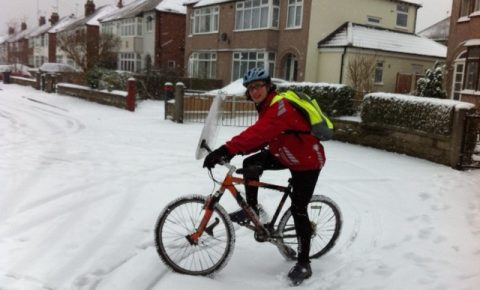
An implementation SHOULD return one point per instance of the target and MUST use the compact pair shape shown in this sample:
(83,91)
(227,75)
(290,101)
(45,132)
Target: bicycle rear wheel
(179,220)
(326,222)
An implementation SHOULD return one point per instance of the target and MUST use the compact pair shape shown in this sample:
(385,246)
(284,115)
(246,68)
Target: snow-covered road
(82,185)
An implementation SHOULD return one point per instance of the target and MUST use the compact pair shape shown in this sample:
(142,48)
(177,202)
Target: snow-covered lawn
(81,185)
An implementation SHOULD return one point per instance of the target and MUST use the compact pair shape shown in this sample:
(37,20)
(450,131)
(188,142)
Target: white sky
(19,10)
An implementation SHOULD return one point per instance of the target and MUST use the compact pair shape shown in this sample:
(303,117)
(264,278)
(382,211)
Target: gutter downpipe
(342,63)
(349,42)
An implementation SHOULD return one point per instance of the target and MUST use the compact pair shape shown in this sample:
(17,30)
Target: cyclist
(280,126)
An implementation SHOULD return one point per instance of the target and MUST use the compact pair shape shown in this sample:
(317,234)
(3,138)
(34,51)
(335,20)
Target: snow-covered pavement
(82,185)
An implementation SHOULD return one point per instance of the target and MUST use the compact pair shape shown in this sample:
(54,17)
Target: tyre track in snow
(35,134)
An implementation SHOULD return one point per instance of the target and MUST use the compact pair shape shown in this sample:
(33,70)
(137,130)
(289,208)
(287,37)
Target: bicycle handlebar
(205,146)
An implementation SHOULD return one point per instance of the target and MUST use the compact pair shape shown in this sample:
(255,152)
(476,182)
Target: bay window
(472,73)
(245,60)
(204,20)
(257,14)
(203,65)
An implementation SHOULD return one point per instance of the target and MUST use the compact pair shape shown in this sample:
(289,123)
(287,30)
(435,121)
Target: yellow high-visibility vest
(321,126)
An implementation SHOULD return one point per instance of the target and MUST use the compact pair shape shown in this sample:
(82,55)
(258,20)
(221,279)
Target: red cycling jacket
(295,151)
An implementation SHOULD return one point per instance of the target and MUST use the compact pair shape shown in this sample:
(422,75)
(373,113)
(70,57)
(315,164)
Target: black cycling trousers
(303,185)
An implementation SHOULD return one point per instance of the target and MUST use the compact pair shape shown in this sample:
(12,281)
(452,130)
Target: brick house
(225,38)
(88,24)
(18,49)
(152,34)
(463,57)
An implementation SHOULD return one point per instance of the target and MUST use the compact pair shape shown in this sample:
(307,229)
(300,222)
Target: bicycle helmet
(255,74)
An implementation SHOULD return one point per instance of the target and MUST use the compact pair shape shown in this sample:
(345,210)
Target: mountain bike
(194,234)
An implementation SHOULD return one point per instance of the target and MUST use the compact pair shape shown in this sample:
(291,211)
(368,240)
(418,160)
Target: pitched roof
(63,23)
(374,38)
(137,8)
(202,3)
(437,31)
(91,19)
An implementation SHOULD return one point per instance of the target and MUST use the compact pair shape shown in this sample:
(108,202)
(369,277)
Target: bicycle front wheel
(178,221)
(326,222)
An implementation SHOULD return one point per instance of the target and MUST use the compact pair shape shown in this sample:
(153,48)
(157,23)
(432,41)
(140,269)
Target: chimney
(89,8)
(42,21)
(120,4)
(23,26)
(11,30)
(54,18)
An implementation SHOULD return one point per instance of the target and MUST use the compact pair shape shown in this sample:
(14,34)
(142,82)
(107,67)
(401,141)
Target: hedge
(335,100)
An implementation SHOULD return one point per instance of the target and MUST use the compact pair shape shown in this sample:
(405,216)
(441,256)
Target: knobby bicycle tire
(326,221)
(179,219)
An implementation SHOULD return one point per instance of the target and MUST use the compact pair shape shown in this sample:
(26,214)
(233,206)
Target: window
(295,13)
(203,65)
(204,20)
(149,24)
(243,61)
(465,8)
(472,75)
(127,27)
(378,77)
(402,15)
(459,69)
(255,14)
(129,62)
(477,5)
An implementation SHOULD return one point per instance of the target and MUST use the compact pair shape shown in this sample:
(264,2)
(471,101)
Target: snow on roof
(175,6)
(202,3)
(91,19)
(374,38)
(63,23)
(414,2)
(40,30)
(131,10)
(4,38)
(101,12)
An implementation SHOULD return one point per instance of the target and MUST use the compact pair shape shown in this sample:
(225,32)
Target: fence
(470,155)
(236,111)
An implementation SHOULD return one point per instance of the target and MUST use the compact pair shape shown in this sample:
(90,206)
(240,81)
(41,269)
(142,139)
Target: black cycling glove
(217,156)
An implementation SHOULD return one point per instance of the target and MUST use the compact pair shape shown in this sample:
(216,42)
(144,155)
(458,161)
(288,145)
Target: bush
(105,79)
(335,100)
(427,115)
(431,84)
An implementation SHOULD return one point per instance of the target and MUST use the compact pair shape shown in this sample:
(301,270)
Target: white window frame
(203,65)
(294,13)
(129,61)
(465,8)
(149,20)
(204,20)
(378,73)
(458,75)
(257,14)
(242,61)
(126,27)
(402,11)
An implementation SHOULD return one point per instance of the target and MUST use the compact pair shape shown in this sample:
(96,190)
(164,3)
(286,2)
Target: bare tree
(88,51)
(360,72)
